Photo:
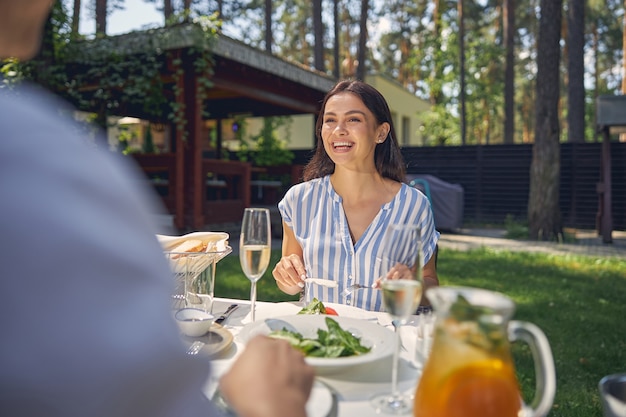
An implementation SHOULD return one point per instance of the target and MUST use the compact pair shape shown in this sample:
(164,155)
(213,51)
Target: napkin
(216,241)
(217,249)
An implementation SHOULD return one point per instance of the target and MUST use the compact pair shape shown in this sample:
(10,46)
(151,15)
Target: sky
(136,14)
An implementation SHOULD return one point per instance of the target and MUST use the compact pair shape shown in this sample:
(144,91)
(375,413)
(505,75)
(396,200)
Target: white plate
(320,402)
(380,339)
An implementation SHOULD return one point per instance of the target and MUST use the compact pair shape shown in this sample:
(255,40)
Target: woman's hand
(398,271)
(290,273)
(429,276)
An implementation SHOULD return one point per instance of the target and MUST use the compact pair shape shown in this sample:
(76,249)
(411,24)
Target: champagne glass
(255,247)
(402,287)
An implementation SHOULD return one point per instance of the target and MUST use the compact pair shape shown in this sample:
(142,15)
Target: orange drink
(470,371)
(462,379)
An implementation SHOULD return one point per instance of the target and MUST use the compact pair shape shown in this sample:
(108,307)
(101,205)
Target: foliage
(265,148)
(126,69)
(514,228)
(440,128)
(417,44)
(576,300)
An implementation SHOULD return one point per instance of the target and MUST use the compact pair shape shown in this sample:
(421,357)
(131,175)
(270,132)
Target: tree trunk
(509,71)
(336,69)
(437,70)
(576,71)
(624,51)
(101,17)
(544,217)
(168,10)
(360,69)
(268,26)
(596,76)
(318,30)
(75,19)
(462,116)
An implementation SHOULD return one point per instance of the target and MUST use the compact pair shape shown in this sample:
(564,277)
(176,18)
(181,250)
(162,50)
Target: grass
(579,302)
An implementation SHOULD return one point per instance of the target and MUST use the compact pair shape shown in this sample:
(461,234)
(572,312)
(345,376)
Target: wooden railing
(161,173)
(228,187)
(227,190)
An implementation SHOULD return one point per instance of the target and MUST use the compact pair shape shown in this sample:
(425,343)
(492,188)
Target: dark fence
(495,179)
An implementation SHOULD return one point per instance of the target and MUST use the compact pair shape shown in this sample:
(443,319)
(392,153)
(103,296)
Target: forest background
(442,51)
(494,71)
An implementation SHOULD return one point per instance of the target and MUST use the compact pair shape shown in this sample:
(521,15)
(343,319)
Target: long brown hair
(387,156)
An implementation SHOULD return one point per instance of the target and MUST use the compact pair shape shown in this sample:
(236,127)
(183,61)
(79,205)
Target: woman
(334,222)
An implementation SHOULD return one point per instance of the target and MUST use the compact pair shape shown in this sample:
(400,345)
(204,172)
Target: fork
(195,347)
(351,288)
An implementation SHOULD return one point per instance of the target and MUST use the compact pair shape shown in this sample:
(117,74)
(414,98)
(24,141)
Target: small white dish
(214,342)
(193,322)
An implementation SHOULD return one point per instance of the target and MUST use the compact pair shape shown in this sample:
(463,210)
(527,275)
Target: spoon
(278,324)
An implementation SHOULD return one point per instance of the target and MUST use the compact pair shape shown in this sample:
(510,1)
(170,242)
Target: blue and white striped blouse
(315,213)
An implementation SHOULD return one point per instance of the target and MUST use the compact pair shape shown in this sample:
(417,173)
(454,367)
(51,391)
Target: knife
(322,282)
(227,313)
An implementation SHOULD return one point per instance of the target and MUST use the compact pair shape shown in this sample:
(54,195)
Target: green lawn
(579,302)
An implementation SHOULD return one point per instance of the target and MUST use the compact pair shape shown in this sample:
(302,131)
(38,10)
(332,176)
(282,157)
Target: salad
(317,307)
(332,343)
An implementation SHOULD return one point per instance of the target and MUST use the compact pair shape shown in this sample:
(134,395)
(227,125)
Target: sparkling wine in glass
(255,247)
(401,292)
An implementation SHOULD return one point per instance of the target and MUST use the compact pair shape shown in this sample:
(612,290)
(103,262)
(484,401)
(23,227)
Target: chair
(423,186)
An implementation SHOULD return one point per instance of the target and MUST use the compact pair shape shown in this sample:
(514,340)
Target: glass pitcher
(470,370)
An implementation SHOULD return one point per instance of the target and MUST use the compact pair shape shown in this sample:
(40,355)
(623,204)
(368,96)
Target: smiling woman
(335,222)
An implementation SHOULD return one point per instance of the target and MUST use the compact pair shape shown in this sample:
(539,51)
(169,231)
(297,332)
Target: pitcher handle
(545,375)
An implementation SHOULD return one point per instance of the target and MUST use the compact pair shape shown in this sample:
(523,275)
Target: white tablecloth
(353,387)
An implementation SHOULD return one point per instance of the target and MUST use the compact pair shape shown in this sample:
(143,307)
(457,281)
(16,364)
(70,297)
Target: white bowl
(193,322)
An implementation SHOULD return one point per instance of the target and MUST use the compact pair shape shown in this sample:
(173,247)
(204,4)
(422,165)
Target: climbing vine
(109,75)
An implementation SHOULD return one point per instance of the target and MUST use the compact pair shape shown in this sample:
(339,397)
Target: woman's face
(350,131)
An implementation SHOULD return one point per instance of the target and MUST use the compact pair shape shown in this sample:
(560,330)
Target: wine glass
(402,287)
(255,247)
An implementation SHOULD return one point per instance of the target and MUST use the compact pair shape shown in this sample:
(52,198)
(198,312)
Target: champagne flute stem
(396,357)
(253,299)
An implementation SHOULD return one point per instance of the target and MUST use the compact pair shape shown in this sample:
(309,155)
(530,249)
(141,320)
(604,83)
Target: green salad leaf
(314,307)
(332,343)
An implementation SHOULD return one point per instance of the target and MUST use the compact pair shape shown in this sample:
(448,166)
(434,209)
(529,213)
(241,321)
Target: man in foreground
(85,288)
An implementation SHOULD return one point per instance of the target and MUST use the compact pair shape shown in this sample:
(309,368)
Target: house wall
(406,110)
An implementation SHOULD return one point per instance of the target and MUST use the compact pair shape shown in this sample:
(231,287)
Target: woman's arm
(429,273)
(289,272)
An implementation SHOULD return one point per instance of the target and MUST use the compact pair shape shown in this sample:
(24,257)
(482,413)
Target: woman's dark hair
(387,156)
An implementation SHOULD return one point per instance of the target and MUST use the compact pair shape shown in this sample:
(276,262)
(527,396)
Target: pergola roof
(246,81)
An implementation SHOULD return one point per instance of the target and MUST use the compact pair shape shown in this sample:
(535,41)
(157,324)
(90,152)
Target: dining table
(339,391)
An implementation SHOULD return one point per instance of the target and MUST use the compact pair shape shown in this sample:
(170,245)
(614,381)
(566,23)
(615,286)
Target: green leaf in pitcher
(486,330)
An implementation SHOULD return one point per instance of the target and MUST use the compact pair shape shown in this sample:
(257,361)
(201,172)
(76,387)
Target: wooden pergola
(245,81)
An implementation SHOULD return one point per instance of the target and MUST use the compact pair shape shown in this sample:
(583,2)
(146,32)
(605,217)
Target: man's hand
(269,379)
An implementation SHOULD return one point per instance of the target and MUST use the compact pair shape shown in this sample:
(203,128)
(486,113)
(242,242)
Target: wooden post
(178,145)
(606,226)
(195,180)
